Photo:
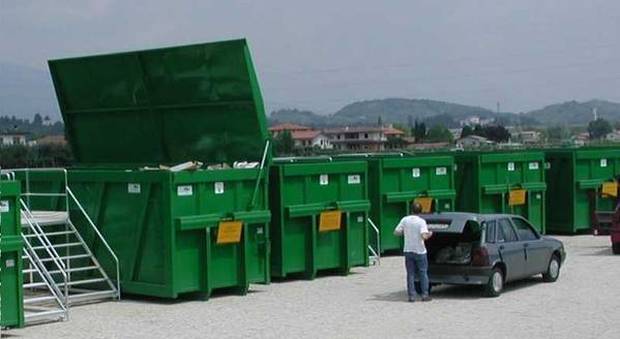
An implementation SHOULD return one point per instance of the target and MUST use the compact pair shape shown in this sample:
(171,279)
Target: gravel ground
(371,303)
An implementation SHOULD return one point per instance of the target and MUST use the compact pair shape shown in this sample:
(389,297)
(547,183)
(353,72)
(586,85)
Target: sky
(322,55)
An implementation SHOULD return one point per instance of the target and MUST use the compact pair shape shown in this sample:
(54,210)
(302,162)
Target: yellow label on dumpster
(516,197)
(229,232)
(426,203)
(330,221)
(610,189)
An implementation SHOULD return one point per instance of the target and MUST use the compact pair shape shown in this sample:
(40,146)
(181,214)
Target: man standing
(415,230)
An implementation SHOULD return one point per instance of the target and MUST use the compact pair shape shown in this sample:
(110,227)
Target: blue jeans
(417,265)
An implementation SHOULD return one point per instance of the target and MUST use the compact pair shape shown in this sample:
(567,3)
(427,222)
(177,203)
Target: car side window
(525,231)
(506,232)
(490,231)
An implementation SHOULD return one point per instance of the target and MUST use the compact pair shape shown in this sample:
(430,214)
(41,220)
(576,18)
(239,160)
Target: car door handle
(501,247)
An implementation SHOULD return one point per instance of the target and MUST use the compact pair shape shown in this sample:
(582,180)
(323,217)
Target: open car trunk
(452,246)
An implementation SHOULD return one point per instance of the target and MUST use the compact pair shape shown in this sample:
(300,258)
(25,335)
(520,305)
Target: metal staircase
(60,269)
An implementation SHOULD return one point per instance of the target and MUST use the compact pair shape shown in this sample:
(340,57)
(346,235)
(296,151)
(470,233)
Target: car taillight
(480,256)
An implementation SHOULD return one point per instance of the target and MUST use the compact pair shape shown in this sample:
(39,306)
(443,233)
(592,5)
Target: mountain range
(432,112)
(25,91)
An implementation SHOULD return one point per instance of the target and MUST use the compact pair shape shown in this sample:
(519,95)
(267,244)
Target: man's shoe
(411,300)
(427,298)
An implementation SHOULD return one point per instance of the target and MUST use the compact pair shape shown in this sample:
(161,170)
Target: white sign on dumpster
(134,188)
(218,187)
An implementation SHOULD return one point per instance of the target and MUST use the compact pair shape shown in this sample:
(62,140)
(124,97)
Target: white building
(473,141)
(12,139)
(311,139)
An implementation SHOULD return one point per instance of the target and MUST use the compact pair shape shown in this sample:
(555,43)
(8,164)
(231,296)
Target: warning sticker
(516,197)
(533,165)
(511,166)
(4,206)
(324,180)
(218,187)
(354,179)
(330,221)
(603,162)
(134,188)
(441,171)
(185,190)
(229,232)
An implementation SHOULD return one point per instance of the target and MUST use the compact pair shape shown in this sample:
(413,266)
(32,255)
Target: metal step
(35,285)
(33,316)
(39,299)
(75,269)
(71,257)
(50,234)
(71,244)
(92,295)
(82,282)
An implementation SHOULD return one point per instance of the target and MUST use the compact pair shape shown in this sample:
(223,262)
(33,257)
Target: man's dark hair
(416,208)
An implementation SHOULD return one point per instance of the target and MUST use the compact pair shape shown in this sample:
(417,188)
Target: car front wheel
(496,283)
(553,270)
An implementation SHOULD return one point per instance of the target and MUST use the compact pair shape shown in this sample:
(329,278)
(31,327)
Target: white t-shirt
(412,228)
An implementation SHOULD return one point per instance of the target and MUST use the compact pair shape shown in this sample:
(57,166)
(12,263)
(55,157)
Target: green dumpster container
(11,279)
(502,182)
(320,211)
(126,114)
(396,180)
(575,178)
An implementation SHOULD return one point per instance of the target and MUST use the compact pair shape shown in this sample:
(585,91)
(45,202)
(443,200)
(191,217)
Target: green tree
(379,121)
(283,144)
(466,131)
(557,133)
(439,133)
(419,131)
(599,128)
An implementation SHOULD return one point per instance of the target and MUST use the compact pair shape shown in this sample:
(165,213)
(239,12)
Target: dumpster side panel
(11,265)
(575,178)
(302,192)
(485,180)
(130,210)
(212,197)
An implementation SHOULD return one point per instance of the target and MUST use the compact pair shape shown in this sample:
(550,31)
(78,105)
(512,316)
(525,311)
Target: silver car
(489,250)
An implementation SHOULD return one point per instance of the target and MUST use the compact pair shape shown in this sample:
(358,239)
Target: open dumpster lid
(162,106)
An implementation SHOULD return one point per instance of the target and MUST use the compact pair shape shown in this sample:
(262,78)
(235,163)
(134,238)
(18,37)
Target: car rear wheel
(615,247)
(496,283)
(553,270)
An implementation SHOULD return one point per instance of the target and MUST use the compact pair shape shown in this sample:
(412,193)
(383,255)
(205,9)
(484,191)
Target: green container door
(395,182)
(300,193)
(575,178)
(174,232)
(486,181)
(162,106)
(11,279)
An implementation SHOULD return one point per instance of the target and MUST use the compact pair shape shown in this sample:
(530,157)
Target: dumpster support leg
(346,245)
(244,284)
(311,264)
